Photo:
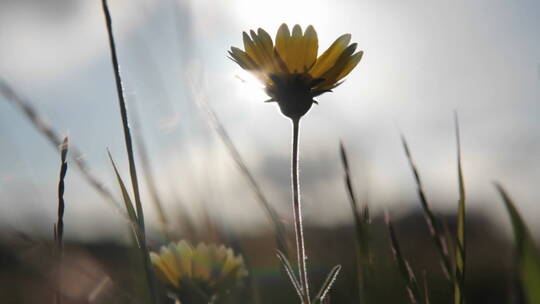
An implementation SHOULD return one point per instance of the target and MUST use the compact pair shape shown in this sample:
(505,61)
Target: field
(167,179)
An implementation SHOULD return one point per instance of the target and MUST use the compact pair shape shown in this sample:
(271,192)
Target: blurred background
(423,61)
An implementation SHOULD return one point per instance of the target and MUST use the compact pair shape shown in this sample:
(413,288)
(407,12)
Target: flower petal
(201,262)
(311,45)
(351,64)
(247,63)
(265,47)
(230,262)
(164,268)
(168,258)
(265,40)
(242,59)
(331,75)
(295,56)
(251,50)
(282,42)
(184,253)
(330,56)
(277,63)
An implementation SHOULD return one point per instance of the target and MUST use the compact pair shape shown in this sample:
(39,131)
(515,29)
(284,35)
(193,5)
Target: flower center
(292,92)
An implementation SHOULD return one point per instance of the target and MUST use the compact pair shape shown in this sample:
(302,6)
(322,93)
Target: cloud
(45,40)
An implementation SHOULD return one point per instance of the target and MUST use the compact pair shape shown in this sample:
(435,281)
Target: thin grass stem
(61,202)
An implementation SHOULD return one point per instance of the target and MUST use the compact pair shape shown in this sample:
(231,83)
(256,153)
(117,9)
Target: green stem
(297,211)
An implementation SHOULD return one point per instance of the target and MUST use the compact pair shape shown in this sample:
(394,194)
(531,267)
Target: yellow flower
(290,70)
(206,269)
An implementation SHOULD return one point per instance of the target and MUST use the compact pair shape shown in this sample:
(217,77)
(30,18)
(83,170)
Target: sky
(423,60)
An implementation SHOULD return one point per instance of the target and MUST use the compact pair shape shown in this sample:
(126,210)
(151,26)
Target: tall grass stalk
(129,150)
(59,226)
(123,114)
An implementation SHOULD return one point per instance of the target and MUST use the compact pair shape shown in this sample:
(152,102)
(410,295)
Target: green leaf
(290,271)
(330,279)
(527,255)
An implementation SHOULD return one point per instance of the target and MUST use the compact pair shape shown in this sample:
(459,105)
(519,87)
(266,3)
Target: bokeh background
(423,61)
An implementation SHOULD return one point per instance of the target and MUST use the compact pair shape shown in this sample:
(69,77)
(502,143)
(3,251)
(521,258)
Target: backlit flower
(202,272)
(290,70)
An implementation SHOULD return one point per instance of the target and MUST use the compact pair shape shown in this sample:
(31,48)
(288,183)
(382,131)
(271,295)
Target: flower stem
(297,211)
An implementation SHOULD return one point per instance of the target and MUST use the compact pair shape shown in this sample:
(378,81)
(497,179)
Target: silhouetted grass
(362,222)
(431,220)
(460,250)
(527,255)
(405,269)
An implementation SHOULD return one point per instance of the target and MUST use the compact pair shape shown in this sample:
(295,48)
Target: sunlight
(248,86)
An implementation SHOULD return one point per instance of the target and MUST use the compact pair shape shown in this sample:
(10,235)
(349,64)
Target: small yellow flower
(206,269)
(290,70)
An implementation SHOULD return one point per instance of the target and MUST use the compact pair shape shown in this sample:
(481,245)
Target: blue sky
(423,60)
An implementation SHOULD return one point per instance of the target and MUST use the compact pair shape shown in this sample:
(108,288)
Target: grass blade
(361,222)
(123,114)
(460,250)
(130,154)
(137,235)
(426,288)
(404,268)
(527,254)
(328,282)
(290,271)
(125,195)
(431,220)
